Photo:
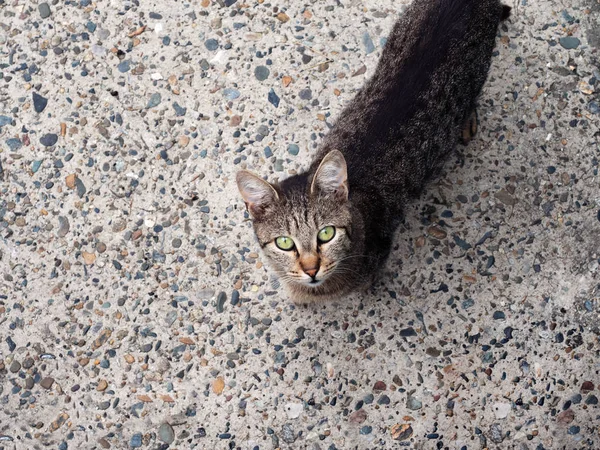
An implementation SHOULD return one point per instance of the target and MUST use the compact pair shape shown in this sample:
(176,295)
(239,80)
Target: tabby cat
(327,231)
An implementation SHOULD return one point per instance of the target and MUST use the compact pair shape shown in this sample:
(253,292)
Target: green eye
(284,243)
(326,234)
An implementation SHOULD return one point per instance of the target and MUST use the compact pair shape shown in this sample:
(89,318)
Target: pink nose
(311,272)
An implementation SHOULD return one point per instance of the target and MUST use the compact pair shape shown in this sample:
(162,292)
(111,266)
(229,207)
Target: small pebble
(154,100)
(166,433)
(39,102)
(569,42)
(44,10)
(273,98)
(413,403)
(211,44)
(14,144)
(293,410)
(287,434)
(368,43)
(231,94)
(179,111)
(124,66)
(47,382)
(261,73)
(496,434)
(49,140)
(136,440)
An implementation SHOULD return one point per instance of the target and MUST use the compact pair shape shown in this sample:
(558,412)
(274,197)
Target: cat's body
(386,144)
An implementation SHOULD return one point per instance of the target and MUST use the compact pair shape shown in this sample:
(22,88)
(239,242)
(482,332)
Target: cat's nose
(311,272)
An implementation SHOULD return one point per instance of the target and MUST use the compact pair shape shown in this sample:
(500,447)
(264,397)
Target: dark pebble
(591,400)
(293,149)
(5,120)
(15,366)
(273,98)
(211,44)
(80,187)
(28,363)
(383,400)
(48,140)
(136,440)
(39,102)
(221,298)
(124,66)
(154,101)
(432,351)
(235,297)
(261,73)
(569,42)
(14,144)
(47,382)
(593,107)
(103,406)
(11,344)
(499,315)
(461,243)
(466,304)
(146,348)
(179,111)
(496,434)
(305,94)
(44,10)
(287,434)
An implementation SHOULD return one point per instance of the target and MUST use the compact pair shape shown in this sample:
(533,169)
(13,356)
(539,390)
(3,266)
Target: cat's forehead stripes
(300,221)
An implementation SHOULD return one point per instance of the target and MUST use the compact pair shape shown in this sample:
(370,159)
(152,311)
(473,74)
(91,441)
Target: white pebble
(501,410)
(293,410)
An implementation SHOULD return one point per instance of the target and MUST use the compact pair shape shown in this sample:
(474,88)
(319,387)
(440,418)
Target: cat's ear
(331,178)
(256,192)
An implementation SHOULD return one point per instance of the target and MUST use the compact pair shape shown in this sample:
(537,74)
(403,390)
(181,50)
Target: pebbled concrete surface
(135,311)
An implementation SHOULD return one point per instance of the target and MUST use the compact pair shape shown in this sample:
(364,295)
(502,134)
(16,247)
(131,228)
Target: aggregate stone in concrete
(136,310)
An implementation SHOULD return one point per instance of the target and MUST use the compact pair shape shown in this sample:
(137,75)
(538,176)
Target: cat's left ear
(331,178)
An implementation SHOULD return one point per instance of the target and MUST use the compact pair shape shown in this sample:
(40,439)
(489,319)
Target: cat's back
(409,113)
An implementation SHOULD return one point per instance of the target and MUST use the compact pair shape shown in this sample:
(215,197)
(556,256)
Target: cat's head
(305,225)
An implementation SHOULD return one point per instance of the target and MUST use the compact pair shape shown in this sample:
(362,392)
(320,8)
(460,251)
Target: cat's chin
(327,290)
(312,284)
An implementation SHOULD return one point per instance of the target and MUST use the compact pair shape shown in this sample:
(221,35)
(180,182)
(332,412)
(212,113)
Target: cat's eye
(326,234)
(284,243)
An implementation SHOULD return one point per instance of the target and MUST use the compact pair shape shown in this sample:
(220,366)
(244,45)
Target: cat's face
(306,230)
(305,238)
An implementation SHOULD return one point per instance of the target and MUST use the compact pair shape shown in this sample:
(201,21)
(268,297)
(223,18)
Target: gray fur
(394,136)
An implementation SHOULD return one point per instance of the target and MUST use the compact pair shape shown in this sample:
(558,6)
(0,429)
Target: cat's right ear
(256,192)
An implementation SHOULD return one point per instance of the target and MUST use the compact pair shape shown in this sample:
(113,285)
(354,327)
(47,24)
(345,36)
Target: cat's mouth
(309,282)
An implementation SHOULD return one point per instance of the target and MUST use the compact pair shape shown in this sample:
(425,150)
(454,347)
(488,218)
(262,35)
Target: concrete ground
(135,309)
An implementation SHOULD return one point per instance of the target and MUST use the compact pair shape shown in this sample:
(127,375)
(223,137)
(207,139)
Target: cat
(327,231)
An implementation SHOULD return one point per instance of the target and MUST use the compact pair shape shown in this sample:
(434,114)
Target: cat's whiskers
(355,256)
(347,271)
